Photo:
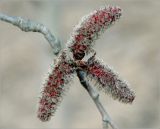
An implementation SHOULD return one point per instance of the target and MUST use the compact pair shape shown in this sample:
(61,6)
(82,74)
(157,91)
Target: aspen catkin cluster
(81,42)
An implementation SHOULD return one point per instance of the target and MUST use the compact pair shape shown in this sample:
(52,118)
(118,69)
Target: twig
(28,25)
(95,97)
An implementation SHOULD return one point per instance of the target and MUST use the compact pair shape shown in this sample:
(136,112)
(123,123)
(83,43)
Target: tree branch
(28,25)
(95,97)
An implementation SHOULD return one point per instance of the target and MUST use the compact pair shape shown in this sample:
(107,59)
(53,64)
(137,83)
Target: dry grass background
(131,46)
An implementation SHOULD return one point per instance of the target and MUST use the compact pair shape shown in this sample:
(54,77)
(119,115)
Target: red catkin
(109,81)
(55,87)
(90,28)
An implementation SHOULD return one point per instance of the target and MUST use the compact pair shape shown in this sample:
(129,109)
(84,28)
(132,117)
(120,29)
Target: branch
(95,97)
(28,25)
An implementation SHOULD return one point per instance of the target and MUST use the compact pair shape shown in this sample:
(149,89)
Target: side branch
(95,97)
(28,25)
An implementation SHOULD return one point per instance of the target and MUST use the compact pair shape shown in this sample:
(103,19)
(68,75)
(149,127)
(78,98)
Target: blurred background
(131,47)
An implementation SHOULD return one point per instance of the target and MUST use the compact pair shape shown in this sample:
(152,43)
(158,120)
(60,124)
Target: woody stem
(31,26)
(95,97)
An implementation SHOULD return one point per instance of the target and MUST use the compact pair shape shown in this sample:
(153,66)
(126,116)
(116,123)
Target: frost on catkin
(90,28)
(109,81)
(55,87)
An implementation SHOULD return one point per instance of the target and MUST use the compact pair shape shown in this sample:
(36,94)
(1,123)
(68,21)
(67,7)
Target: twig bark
(28,25)
(95,97)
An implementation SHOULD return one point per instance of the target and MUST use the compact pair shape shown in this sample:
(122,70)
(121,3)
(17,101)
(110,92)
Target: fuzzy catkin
(90,28)
(81,42)
(55,87)
(109,81)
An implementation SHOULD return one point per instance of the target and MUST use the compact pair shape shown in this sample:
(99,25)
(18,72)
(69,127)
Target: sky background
(131,47)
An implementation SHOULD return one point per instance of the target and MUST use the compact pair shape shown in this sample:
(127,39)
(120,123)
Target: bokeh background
(131,47)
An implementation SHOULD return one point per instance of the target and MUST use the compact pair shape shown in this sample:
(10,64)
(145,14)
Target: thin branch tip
(27,25)
(95,97)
